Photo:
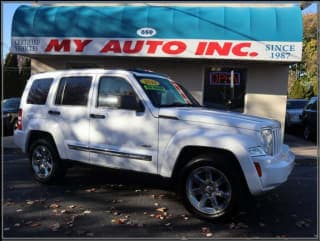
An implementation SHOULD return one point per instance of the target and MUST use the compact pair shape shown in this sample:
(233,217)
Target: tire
(45,163)
(217,196)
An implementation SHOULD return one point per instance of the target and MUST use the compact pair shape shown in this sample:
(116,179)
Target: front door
(119,137)
(224,88)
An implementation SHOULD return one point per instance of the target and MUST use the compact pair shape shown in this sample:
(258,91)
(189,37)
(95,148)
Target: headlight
(266,138)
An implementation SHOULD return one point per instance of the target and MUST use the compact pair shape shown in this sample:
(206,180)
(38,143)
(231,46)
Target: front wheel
(46,166)
(210,188)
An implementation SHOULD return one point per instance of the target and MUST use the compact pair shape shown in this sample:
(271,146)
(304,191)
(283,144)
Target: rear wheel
(210,188)
(46,166)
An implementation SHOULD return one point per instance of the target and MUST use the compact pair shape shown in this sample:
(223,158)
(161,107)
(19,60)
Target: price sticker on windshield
(149,82)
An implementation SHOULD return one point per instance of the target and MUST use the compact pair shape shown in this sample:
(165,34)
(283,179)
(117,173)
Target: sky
(8,9)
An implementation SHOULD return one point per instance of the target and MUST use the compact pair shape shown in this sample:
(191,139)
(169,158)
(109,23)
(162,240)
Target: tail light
(19,125)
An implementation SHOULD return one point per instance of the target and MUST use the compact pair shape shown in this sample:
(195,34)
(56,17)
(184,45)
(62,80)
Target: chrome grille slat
(276,140)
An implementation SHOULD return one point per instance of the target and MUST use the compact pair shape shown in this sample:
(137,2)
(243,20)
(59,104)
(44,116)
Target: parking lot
(99,202)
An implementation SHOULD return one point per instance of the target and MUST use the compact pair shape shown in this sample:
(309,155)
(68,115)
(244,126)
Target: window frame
(58,81)
(48,93)
(96,92)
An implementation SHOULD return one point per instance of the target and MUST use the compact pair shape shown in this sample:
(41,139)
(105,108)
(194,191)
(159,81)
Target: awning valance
(264,33)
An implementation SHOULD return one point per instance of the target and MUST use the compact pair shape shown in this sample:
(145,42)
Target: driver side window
(113,90)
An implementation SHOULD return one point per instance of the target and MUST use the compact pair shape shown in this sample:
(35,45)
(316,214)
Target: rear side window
(73,91)
(39,91)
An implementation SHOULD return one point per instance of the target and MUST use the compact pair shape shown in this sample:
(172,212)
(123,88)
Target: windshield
(296,104)
(11,103)
(166,93)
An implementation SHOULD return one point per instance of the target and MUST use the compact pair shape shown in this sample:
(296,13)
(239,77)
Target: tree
(25,72)
(11,77)
(305,73)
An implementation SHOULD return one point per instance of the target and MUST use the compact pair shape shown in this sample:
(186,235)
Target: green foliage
(25,72)
(14,80)
(304,75)
(11,77)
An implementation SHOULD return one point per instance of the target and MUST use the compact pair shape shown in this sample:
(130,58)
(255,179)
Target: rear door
(120,137)
(69,111)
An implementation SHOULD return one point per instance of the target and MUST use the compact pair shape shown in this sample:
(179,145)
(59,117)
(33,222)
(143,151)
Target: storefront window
(224,88)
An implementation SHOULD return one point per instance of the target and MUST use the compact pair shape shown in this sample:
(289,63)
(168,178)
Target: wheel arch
(36,135)
(190,152)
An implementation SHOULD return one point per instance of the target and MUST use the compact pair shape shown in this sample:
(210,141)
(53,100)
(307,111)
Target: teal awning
(218,23)
(247,33)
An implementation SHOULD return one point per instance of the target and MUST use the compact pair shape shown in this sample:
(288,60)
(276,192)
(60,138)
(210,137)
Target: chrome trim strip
(110,152)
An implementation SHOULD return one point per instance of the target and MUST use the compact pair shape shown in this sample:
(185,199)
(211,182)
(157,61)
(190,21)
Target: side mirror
(130,102)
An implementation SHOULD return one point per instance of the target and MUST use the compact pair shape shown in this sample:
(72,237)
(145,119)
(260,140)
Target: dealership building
(229,56)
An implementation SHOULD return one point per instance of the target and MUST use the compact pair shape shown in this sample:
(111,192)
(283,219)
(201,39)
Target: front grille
(276,138)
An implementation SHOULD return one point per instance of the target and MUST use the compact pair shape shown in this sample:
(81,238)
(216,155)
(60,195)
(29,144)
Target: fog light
(258,168)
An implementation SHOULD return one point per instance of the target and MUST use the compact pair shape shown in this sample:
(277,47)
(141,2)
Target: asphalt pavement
(99,202)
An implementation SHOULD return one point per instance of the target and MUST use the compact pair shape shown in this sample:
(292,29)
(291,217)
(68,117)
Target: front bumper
(275,169)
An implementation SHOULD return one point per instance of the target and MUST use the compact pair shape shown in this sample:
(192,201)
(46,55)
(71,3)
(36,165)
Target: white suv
(143,121)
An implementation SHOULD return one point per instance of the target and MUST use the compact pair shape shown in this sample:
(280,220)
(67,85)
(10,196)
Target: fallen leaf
(86,212)
(122,220)
(54,205)
(159,216)
(55,227)
(162,209)
(34,225)
(185,217)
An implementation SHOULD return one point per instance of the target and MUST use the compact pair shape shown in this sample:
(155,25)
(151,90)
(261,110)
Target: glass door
(224,88)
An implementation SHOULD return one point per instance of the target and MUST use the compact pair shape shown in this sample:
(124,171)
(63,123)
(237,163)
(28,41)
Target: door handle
(53,112)
(97,116)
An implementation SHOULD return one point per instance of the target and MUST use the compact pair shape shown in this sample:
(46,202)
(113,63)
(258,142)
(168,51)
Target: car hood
(215,117)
